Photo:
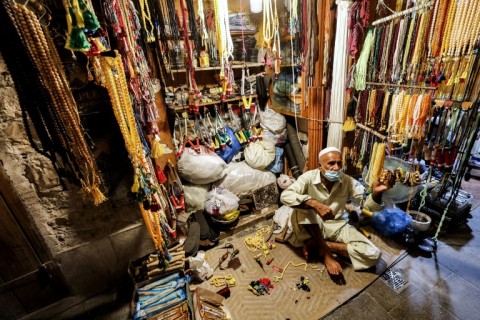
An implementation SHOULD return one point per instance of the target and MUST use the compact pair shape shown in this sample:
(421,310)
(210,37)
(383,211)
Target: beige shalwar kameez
(363,253)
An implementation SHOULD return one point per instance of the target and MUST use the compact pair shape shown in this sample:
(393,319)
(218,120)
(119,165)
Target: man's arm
(296,196)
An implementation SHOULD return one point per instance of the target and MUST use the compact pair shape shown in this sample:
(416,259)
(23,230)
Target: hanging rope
(339,71)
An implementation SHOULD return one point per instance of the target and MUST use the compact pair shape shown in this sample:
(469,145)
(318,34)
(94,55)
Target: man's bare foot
(338,248)
(333,267)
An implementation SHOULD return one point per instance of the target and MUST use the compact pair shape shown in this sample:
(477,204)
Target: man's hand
(378,188)
(325,212)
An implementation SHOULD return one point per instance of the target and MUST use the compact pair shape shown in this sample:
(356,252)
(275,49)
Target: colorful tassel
(157,149)
(80,23)
(160,174)
(136,184)
(90,20)
(349,124)
(97,195)
(76,40)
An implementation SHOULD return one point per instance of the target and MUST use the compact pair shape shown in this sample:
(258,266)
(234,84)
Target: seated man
(319,197)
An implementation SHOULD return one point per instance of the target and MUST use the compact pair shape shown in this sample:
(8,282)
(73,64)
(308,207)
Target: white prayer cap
(327,150)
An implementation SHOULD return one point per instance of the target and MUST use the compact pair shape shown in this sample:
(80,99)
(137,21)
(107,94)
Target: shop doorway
(29,277)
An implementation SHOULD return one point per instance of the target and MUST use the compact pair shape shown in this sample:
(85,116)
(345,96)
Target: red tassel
(160,174)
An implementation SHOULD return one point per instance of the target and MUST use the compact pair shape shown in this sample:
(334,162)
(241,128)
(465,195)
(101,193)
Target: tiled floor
(441,286)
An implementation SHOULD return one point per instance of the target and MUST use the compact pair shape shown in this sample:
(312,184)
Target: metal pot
(420,221)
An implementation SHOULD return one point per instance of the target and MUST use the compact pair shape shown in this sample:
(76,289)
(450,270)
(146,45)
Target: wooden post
(316,93)
(164,131)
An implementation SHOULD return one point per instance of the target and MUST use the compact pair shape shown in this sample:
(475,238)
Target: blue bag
(232,148)
(277,164)
(391,221)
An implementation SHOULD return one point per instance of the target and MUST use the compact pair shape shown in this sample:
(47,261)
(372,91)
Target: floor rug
(286,300)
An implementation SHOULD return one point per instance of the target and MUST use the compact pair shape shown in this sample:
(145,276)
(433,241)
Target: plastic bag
(391,221)
(232,149)
(277,165)
(273,121)
(203,167)
(195,196)
(221,201)
(241,179)
(283,219)
(284,181)
(277,139)
(259,154)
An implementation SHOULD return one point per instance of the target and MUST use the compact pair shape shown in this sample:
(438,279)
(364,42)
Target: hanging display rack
(370,130)
(402,13)
(399,85)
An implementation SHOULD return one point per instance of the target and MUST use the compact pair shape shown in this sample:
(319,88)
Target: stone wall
(91,244)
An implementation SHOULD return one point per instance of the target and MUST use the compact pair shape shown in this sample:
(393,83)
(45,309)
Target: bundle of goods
(208,305)
(152,266)
(222,206)
(162,299)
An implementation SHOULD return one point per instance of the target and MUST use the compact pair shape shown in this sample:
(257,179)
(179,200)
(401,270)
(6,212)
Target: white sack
(259,154)
(201,168)
(277,139)
(241,179)
(195,196)
(272,121)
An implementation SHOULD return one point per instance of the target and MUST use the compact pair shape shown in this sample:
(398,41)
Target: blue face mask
(332,175)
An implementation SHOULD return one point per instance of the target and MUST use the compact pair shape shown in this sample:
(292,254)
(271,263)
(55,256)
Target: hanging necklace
(276,50)
(432,28)
(419,49)
(361,67)
(397,56)
(147,18)
(194,30)
(409,117)
(224,40)
(44,55)
(402,122)
(371,107)
(268,24)
(450,16)
(145,185)
(203,27)
(386,52)
(407,47)
(440,27)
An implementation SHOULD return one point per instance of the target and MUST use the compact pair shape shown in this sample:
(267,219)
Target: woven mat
(285,301)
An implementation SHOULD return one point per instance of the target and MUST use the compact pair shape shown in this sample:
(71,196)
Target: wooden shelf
(234,66)
(287,113)
(245,32)
(184,107)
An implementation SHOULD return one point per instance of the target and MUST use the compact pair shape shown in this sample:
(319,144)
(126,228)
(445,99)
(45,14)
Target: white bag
(284,181)
(277,139)
(272,120)
(221,201)
(241,179)
(259,154)
(195,196)
(283,217)
(201,168)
